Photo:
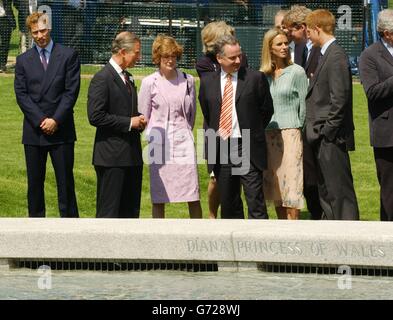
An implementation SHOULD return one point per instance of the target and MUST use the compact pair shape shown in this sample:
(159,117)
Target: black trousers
(5,37)
(230,185)
(384,163)
(335,183)
(62,156)
(118,191)
(310,180)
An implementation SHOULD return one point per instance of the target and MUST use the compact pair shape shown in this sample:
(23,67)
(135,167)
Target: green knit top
(289,92)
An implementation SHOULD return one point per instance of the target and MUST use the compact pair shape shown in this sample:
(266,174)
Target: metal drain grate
(329,269)
(115,265)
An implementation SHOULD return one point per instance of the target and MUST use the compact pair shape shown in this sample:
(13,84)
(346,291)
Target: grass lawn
(13,201)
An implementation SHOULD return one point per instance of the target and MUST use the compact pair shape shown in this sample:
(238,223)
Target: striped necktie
(225,126)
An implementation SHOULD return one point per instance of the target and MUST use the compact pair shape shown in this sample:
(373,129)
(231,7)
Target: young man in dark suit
(329,120)
(112,108)
(376,74)
(47,81)
(237,106)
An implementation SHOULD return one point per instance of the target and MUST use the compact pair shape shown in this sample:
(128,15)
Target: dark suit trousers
(384,163)
(230,190)
(118,191)
(335,184)
(310,178)
(62,156)
(5,37)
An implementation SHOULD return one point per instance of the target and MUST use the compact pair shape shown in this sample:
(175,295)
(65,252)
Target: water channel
(163,285)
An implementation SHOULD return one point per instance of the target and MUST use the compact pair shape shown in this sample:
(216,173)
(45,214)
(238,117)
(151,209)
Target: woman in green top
(283,179)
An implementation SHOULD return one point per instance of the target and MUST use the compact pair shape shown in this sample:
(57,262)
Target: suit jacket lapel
(119,82)
(241,81)
(35,62)
(160,86)
(320,65)
(216,87)
(51,70)
(311,57)
(385,53)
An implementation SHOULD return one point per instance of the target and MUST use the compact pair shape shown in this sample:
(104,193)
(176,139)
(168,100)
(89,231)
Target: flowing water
(47,284)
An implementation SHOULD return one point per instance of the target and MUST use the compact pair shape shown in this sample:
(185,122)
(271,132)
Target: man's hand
(49,126)
(139,122)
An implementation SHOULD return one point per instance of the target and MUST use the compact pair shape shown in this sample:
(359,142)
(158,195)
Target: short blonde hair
(35,17)
(296,16)
(165,45)
(267,63)
(323,19)
(212,32)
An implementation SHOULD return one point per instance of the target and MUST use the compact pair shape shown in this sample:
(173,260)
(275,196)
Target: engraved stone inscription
(198,245)
(289,248)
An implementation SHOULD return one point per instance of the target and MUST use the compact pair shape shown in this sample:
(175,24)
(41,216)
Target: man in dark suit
(329,120)
(47,81)
(7,24)
(237,106)
(307,56)
(376,74)
(112,108)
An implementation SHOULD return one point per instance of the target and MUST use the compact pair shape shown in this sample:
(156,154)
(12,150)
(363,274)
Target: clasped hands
(139,122)
(49,126)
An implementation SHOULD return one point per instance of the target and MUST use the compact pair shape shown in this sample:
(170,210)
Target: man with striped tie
(237,106)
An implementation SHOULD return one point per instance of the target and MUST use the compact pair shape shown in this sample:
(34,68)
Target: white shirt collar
(48,48)
(224,74)
(115,66)
(388,46)
(326,45)
(309,44)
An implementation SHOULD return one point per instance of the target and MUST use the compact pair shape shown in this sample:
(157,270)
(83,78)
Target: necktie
(43,59)
(225,126)
(128,81)
(304,57)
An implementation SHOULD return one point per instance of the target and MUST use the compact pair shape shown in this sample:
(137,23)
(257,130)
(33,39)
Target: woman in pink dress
(167,99)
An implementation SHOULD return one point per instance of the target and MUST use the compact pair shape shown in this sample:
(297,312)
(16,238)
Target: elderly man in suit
(112,108)
(376,74)
(329,120)
(47,81)
(7,24)
(237,106)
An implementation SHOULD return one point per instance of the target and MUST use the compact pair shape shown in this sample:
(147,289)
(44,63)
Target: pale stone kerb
(313,249)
